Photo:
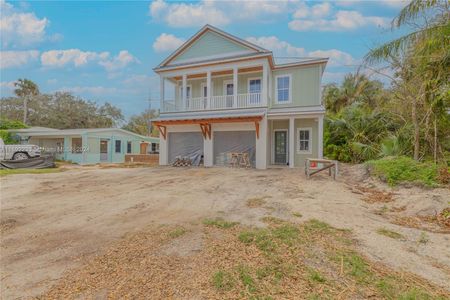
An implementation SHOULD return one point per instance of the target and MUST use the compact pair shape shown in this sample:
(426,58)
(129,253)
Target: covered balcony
(225,89)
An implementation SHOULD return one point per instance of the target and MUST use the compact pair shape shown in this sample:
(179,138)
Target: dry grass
(282,261)
(255,202)
(390,233)
(439,222)
(372,195)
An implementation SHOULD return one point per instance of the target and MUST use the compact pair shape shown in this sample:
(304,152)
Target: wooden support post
(162,130)
(206,130)
(257,129)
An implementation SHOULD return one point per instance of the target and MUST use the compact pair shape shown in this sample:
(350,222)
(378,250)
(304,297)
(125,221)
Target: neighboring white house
(221,94)
(88,146)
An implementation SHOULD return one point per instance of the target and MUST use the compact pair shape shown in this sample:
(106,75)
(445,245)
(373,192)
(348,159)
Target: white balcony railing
(217,102)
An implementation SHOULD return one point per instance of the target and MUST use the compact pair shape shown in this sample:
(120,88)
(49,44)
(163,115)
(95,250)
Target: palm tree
(25,89)
(427,40)
(424,55)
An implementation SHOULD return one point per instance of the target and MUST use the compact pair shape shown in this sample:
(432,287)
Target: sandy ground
(54,222)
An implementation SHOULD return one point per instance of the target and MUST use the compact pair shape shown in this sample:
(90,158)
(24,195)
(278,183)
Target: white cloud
(9,85)
(21,29)
(342,20)
(337,57)
(280,48)
(123,59)
(217,13)
(13,59)
(285,49)
(7,88)
(78,58)
(167,42)
(188,14)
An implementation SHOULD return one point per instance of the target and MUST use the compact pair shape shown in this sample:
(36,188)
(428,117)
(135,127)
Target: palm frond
(411,11)
(400,45)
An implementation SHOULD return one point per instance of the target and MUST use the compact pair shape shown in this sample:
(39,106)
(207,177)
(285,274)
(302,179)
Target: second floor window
(118,146)
(283,89)
(229,89)
(254,86)
(188,92)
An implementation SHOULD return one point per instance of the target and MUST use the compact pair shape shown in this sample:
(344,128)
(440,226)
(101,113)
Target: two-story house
(221,95)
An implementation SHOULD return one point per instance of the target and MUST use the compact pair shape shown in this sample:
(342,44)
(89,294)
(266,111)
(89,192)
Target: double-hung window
(304,141)
(283,89)
(254,89)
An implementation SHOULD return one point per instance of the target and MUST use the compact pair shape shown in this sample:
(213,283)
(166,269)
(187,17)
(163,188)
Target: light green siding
(306,123)
(210,44)
(305,88)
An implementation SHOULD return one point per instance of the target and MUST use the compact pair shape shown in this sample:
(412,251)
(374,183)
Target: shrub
(395,170)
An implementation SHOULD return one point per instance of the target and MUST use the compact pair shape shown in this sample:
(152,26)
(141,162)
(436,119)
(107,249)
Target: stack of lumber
(182,162)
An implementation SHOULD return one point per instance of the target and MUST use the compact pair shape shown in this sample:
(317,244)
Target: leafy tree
(141,123)
(63,110)
(25,89)
(5,124)
(421,60)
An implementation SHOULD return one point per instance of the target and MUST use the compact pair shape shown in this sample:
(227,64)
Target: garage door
(226,142)
(185,144)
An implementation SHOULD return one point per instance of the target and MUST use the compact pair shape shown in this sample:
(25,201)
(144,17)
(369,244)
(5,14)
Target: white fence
(217,102)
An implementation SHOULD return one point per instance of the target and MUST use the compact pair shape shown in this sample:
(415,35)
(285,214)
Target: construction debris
(182,162)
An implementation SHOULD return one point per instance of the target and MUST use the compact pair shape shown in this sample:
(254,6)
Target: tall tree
(141,123)
(25,89)
(424,59)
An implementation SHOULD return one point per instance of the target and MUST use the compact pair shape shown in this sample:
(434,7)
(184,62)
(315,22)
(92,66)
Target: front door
(281,147)
(103,150)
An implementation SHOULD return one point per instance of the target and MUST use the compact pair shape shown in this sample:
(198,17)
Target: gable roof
(253,49)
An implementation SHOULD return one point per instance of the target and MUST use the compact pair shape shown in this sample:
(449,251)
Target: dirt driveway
(51,223)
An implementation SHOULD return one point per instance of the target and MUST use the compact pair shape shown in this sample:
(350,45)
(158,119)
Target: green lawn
(4,172)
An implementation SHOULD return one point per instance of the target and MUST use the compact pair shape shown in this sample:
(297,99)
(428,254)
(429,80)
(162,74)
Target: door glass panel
(280,147)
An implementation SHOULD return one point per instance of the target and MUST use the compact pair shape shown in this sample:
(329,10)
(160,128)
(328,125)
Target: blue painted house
(89,146)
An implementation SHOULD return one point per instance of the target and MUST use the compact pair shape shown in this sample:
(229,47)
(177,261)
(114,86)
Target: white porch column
(265,84)
(208,151)
(320,137)
(235,86)
(291,142)
(183,91)
(163,150)
(261,145)
(161,93)
(208,90)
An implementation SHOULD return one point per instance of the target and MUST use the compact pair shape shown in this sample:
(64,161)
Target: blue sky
(105,51)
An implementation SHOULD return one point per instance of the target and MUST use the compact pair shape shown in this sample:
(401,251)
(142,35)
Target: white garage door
(226,142)
(185,144)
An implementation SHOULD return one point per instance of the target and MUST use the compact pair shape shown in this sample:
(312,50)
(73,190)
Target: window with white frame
(188,91)
(283,89)
(254,85)
(304,136)
(254,89)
